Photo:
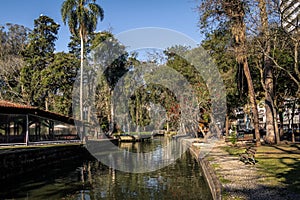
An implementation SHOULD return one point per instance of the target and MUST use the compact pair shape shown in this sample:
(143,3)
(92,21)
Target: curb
(209,173)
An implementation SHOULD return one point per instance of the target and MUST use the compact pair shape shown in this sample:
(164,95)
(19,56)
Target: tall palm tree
(82,18)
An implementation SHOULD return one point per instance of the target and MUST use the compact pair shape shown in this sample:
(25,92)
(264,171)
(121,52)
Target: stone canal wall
(19,161)
(209,174)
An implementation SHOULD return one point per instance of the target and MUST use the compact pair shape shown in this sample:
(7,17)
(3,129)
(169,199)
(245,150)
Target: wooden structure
(23,124)
(126,138)
(142,138)
(134,138)
(158,133)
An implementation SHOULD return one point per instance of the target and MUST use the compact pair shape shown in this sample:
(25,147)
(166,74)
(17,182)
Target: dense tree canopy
(13,39)
(38,55)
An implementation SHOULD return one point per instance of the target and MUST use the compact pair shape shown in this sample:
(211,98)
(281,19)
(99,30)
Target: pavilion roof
(7,107)
(8,104)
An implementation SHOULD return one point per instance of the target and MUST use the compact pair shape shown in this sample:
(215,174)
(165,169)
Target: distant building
(261,114)
(290,15)
(291,116)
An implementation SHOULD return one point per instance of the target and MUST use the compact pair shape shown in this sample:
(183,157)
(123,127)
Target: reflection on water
(145,147)
(92,180)
(138,157)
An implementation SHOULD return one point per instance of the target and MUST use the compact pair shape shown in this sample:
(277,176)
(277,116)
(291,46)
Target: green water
(91,180)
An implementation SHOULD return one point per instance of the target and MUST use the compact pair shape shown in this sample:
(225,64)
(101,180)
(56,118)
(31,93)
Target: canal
(89,179)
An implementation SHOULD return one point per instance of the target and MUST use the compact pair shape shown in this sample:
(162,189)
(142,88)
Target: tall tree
(38,55)
(13,39)
(218,46)
(274,43)
(111,59)
(82,18)
(268,77)
(233,11)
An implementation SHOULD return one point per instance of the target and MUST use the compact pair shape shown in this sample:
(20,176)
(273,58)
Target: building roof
(7,107)
(8,104)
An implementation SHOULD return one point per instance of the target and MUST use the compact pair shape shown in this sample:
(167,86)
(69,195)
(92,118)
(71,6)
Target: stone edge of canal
(19,160)
(209,173)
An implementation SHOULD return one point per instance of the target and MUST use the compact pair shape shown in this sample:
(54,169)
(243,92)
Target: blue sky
(119,15)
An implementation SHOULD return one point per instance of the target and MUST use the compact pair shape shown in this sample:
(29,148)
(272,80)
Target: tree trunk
(81,75)
(168,128)
(112,113)
(227,125)
(293,127)
(268,77)
(252,101)
(270,115)
(46,104)
(296,62)
(235,10)
(281,122)
(81,83)
(276,128)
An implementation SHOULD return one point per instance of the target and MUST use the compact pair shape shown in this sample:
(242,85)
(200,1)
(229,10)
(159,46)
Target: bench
(249,156)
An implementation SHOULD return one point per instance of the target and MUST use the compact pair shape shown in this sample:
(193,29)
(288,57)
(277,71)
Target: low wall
(209,174)
(23,160)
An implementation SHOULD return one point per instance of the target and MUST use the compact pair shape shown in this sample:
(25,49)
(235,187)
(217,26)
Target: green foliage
(59,78)
(111,63)
(75,46)
(233,138)
(101,37)
(38,55)
(110,54)
(233,135)
(143,97)
(13,39)
(176,60)
(283,54)
(81,16)
(218,44)
(217,23)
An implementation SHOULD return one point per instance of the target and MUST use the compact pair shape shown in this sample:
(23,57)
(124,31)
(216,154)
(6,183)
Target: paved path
(240,181)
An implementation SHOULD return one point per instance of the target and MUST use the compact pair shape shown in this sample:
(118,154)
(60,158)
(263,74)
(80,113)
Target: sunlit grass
(215,165)
(280,165)
(233,150)
(224,180)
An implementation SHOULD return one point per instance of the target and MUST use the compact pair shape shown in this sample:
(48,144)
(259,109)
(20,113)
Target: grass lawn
(234,150)
(278,164)
(281,165)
